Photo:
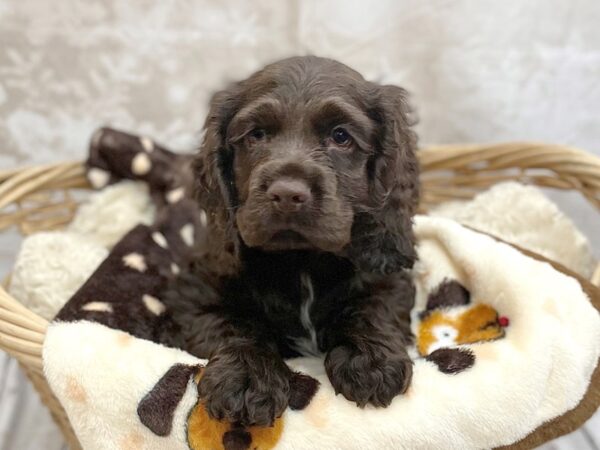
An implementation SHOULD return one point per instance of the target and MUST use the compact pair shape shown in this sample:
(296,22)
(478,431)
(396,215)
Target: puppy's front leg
(367,361)
(245,381)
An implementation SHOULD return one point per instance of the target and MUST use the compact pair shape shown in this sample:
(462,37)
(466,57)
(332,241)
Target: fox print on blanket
(450,320)
(156,411)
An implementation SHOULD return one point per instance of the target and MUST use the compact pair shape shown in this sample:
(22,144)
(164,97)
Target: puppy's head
(306,154)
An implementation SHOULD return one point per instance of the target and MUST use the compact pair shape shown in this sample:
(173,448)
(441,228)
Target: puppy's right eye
(341,136)
(257,134)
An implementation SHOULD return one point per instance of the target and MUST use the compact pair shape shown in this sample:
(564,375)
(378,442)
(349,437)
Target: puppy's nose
(289,194)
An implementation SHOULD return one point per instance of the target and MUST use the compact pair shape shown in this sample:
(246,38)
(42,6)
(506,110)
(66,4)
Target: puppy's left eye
(341,136)
(258,134)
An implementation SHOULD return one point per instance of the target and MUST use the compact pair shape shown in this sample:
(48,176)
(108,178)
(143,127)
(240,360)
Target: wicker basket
(40,198)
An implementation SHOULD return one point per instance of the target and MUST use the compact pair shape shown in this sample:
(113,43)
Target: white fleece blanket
(530,361)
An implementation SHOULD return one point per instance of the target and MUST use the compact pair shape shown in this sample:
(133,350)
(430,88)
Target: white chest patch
(307,345)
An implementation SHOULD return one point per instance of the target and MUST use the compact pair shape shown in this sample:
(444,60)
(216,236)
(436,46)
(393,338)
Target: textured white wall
(479,71)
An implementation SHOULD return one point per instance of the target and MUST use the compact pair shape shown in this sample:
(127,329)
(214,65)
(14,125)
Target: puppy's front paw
(374,376)
(245,386)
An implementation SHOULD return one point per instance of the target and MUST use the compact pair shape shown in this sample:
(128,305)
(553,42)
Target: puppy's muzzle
(292,205)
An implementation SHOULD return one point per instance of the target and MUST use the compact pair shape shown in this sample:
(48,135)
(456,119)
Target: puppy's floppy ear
(215,183)
(382,236)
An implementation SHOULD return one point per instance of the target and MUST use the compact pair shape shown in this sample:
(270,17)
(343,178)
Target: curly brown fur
(367,360)
(245,384)
(309,176)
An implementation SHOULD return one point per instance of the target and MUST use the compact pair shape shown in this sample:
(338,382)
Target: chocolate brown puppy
(309,177)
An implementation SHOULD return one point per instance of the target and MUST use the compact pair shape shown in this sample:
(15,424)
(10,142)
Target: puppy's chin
(259,228)
(285,240)
(282,239)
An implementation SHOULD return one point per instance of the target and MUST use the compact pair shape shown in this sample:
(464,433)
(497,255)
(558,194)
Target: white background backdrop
(479,71)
